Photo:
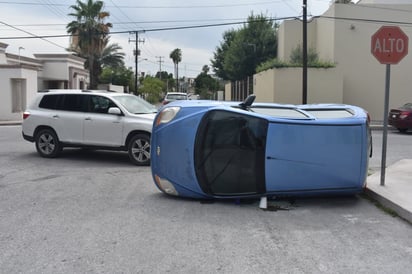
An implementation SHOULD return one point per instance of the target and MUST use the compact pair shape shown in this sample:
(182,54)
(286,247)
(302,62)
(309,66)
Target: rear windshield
(176,96)
(407,106)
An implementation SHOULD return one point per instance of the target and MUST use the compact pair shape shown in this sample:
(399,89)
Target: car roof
(81,91)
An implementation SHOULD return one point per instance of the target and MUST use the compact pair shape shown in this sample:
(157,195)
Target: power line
(161,7)
(35,36)
(160,29)
(44,37)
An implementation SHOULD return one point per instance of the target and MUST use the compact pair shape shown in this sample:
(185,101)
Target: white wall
(6,74)
(348,43)
(284,85)
(364,76)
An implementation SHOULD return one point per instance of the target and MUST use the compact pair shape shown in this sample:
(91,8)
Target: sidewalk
(396,194)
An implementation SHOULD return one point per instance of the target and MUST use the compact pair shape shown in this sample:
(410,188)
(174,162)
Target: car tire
(47,143)
(139,149)
(402,130)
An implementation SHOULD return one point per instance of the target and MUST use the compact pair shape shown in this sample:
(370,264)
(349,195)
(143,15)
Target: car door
(100,127)
(67,118)
(306,157)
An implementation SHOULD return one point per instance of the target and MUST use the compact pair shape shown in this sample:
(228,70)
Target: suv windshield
(135,105)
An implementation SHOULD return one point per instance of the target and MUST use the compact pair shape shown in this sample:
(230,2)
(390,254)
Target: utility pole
(160,65)
(305,54)
(136,55)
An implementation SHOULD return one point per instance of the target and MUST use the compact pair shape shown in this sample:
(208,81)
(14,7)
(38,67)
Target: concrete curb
(10,123)
(397,192)
(387,203)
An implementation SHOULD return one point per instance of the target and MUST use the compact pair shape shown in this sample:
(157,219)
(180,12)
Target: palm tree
(88,34)
(111,57)
(176,56)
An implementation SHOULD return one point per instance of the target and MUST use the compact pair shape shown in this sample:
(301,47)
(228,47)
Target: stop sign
(389,45)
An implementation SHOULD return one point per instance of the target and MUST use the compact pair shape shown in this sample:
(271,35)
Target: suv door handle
(55,116)
(88,118)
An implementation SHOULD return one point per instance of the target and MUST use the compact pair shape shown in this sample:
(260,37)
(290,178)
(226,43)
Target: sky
(152,20)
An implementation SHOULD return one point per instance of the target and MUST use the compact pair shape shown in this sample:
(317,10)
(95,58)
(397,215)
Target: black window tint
(49,101)
(71,102)
(100,104)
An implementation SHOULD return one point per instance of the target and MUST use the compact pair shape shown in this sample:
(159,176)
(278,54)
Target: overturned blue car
(211,149)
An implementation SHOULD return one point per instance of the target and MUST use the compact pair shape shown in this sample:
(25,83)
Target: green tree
(176,56)
(120,76)
(111,56)
(89,34)
(152,88)
(296,56)
(243,50)
(219,54)
(204,83)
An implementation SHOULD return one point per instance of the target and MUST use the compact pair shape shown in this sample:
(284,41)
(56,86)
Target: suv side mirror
(115,111)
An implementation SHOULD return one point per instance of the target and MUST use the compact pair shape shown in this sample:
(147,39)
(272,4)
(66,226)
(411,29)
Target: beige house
(342,35)
(21,78)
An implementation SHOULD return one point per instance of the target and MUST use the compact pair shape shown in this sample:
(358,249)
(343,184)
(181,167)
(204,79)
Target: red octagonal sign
(389,45)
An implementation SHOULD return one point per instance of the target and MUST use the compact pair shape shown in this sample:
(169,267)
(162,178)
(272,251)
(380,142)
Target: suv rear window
(49,101)
(69,102)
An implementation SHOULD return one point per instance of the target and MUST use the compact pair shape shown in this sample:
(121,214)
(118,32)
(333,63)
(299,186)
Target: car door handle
(88,118)
(55,116)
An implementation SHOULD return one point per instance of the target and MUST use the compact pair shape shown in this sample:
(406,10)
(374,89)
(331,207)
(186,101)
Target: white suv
(97,119)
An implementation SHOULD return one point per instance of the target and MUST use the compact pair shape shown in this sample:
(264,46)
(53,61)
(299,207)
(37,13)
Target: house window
(18,95)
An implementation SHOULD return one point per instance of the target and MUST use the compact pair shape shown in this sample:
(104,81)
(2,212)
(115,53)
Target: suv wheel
(47,143)
(139,149)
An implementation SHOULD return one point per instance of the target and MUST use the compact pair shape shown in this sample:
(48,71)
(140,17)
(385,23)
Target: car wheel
(139,149)
(403,130)
(47,143)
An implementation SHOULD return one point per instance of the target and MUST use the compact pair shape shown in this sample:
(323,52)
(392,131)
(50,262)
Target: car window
(49,101)
(229,153)
(176,96)
(407,105)
(100,104)
(279,112)
(330,113)
(71,102)
(135,105)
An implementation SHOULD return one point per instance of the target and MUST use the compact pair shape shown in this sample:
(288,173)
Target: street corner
(396,193)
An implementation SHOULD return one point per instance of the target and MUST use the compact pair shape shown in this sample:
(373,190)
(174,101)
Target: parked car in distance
(93,119)
(401,118)
(235,150)
(173,96)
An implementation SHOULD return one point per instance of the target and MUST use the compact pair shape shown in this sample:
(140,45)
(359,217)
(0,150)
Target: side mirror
(247,102)
(114,111)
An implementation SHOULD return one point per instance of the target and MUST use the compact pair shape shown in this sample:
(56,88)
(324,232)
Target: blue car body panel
(217,150)
(176,160)
(304,157)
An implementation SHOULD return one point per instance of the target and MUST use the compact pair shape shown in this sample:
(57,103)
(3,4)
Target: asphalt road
(94,212)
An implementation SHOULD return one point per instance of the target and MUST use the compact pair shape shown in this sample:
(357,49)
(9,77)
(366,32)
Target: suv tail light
(26,114)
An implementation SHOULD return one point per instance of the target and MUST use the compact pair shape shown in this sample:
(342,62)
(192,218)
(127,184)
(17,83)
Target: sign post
(389,45)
